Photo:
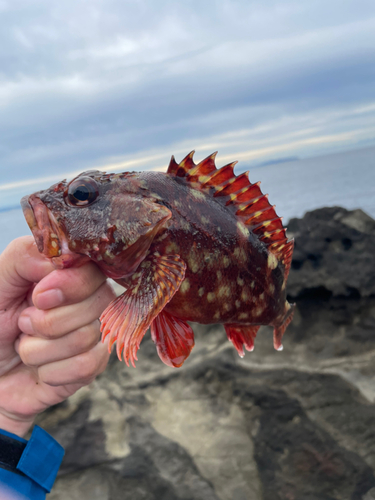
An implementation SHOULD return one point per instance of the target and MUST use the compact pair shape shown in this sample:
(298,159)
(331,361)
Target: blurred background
(285,87)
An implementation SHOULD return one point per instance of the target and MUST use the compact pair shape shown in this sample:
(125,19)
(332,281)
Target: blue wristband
(39,462)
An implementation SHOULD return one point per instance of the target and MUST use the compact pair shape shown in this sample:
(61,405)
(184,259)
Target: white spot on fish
(185,286)
(226,261)
(240,254)
(211,297)
(185,225)
(197,194)
(272,261)
(240,281)
(243,316)
(242,229)
(201,291)
(162,236)
(238,304)
(193,265)
(172,248)
(224,291)
(258,311)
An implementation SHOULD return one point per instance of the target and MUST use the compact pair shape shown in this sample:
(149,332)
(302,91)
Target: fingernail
(24,324)
(49,299)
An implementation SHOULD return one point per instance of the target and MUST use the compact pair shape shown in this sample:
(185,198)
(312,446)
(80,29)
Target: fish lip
(44,229)
(49,238)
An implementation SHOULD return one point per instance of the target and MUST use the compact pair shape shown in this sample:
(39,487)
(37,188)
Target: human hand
(49,337)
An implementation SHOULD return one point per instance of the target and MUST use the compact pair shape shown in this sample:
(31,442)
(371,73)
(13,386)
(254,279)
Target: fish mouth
(42,225)
(50,239)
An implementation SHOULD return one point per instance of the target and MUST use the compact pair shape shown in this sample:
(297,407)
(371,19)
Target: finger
(82,368)
(36,351)
(20,265)
(54,323)
(67,286)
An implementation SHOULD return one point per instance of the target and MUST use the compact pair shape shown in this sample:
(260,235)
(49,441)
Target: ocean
(295,187)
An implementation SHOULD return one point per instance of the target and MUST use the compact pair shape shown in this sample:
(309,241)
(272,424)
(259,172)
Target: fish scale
(196,243)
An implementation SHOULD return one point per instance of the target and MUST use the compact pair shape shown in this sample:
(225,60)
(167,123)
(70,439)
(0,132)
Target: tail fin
(279,330)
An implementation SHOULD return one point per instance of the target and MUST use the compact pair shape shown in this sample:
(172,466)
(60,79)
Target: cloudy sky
(124,84)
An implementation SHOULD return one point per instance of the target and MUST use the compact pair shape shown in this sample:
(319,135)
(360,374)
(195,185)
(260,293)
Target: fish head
(98,217)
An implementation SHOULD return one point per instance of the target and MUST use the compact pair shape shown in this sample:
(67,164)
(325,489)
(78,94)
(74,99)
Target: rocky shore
(292,425)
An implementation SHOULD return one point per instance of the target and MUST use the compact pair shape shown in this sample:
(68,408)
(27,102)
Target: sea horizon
(294,185)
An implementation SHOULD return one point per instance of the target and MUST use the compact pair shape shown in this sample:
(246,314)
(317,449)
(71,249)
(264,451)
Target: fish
(196,243)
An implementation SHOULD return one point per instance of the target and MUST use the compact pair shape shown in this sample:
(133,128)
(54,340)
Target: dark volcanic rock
(291,425)
(334,254)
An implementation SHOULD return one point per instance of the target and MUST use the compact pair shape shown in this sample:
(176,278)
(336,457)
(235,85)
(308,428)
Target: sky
(123,85)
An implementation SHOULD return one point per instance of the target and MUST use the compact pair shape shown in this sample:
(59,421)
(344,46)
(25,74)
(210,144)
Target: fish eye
(82,192)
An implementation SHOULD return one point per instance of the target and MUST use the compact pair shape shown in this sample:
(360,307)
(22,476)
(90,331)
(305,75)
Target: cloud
(84,83)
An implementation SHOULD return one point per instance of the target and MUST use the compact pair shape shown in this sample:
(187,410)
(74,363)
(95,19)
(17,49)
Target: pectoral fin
(127,318)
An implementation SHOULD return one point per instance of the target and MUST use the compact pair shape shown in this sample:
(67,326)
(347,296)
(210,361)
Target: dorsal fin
(242,197)
(187,168)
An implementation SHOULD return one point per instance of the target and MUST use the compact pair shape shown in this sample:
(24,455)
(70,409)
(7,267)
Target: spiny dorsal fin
(246,200)
(187,167)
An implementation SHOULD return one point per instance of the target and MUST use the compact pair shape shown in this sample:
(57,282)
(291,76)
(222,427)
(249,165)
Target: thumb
(21,265)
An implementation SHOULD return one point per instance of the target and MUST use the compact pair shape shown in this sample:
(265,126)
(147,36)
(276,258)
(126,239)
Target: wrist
(14,425)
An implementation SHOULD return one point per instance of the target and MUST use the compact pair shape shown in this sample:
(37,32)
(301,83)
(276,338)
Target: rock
(333,253)
(370,495)
(292,425)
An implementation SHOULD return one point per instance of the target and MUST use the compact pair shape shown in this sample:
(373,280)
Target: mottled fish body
(193,244)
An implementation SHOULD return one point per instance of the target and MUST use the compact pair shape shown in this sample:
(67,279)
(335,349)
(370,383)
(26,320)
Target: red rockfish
(193,244)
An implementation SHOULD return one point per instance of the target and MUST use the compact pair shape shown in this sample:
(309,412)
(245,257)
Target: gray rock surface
(334,250)
(292,425)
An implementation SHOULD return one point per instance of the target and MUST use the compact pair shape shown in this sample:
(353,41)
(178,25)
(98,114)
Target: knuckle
(87,366)
(25,351)
(45,324)
(87,337)
(45,376)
